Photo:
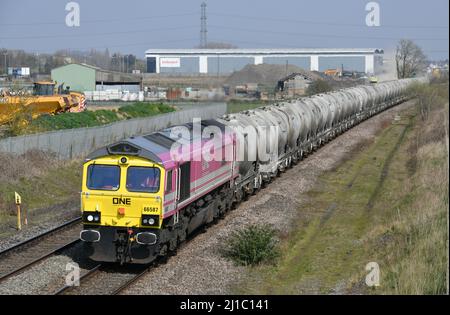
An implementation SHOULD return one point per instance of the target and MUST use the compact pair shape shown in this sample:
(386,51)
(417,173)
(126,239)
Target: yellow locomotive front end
(121,204)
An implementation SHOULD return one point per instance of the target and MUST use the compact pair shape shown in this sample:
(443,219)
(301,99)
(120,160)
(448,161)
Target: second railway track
(26,254)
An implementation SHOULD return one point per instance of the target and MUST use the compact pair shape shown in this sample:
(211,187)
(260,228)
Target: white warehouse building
(223,61)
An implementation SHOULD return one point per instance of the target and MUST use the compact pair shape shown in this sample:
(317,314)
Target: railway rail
(113,279)
(67,288)
(28,253)
(108,279)
(99,279)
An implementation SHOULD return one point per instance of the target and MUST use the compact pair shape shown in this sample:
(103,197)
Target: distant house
(294,84)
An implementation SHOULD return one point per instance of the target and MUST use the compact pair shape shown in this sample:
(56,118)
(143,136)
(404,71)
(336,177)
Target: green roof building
(83,77)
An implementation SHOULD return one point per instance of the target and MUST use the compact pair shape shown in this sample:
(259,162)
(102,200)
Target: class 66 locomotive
(133,192)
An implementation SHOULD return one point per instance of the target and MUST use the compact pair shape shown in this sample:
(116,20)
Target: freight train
(142,196)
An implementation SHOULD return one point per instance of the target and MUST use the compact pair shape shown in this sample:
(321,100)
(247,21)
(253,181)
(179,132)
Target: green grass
(144,109)
(94,118)
(376,206)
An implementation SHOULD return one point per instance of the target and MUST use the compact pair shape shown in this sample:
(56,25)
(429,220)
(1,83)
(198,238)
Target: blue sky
(133,26)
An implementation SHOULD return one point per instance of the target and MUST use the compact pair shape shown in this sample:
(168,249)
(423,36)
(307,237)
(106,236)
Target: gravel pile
(200,269)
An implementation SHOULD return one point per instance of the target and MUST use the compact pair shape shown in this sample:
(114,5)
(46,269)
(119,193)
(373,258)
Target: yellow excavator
(44,99)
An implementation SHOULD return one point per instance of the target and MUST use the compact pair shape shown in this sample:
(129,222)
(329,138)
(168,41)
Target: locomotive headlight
(150,220)
(91,216)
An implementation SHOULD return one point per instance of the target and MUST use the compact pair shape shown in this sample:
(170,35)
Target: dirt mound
(265,74)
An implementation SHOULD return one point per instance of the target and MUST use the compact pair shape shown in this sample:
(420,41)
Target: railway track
(108,279)
(101,278)
(26,254)
(113,279)
(66,289)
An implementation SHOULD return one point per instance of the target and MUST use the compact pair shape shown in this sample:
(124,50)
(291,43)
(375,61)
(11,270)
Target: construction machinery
(44,99)
(332,72)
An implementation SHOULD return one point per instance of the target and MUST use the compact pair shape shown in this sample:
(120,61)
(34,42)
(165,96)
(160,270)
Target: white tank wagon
(301,122)
(245,150)
(280,125)
(305,124)
(324,110)
(351,107)
(347,105)
(308,124)
(316,116)
(267,144)
(294,122)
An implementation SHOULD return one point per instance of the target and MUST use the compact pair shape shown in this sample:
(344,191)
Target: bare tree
(318,86)
(409,58)
(426,96)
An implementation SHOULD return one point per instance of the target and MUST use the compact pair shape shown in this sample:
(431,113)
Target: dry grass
(417,256)
(31,164)
(40,178)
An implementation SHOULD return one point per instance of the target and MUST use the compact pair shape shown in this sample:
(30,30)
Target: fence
(71,143)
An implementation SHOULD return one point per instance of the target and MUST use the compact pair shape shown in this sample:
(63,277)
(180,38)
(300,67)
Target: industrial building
(83,77)
(223,61)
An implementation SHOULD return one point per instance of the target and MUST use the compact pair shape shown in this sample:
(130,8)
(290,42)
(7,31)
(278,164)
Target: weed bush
(252,245)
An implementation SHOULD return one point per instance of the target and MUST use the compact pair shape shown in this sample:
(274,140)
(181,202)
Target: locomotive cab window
(103,177)
(143,179)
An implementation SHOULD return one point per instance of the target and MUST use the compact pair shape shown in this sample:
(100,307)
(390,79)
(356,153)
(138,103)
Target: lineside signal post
(18,201)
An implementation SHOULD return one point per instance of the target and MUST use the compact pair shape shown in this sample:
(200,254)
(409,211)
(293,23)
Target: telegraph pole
(203,31)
